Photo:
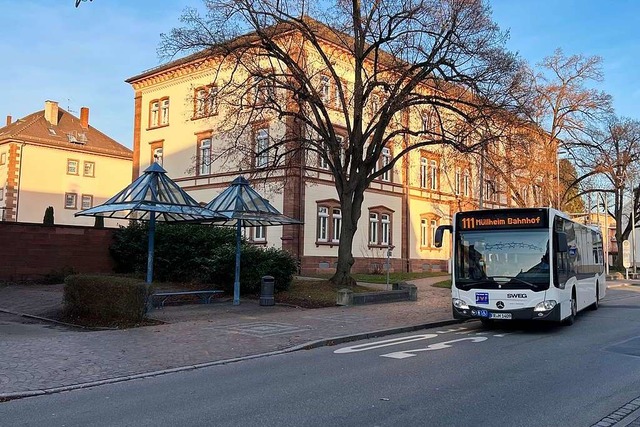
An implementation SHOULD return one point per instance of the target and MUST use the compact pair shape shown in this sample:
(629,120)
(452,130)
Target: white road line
(384,343)
(438,346)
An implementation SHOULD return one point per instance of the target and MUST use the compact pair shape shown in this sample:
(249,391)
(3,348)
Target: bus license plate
(500,315)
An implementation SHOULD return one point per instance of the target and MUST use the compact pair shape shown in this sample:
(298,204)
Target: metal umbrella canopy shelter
(152,197)
(242,206)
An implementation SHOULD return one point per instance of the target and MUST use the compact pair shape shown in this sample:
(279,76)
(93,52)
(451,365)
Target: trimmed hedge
(107,298)
(201,254)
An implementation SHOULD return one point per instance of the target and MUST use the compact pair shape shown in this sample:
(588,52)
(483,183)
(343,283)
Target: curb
(306,346)
(46,319)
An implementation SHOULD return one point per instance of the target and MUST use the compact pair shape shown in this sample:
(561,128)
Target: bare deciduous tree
(609,160)
(372,75)
(565,108)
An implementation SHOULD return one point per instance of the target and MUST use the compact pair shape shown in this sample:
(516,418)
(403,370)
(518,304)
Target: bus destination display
(497,219)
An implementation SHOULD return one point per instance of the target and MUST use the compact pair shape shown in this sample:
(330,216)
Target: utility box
(267,285)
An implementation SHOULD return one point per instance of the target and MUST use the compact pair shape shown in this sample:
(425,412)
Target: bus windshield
(509,259)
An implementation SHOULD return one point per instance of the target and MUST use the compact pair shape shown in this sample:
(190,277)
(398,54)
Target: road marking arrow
(437,346)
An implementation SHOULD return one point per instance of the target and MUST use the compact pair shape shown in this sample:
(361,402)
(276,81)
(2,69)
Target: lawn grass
(313,293)
(446,284)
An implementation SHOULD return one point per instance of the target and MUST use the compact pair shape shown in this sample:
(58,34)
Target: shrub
(200,253)
(58,276)
(105,298)
(48,216)
(129,248)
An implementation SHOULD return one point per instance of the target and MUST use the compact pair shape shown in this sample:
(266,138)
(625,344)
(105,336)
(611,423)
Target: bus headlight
(545,305)
(458,303)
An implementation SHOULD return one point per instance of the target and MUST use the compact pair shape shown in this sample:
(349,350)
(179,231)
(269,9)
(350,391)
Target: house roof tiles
(67,134)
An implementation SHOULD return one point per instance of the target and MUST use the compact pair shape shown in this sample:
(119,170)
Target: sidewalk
(38,358)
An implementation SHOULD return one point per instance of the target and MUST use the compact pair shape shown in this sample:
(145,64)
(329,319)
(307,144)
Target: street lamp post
(633,225)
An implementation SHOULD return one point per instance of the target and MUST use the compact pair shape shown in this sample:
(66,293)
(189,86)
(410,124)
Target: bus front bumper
(473,312)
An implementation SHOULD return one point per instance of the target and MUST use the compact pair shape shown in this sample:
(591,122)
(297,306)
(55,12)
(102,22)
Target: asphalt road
(514,374)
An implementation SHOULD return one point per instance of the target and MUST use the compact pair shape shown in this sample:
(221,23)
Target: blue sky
(81,57)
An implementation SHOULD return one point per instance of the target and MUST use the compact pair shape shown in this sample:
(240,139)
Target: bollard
(266,290)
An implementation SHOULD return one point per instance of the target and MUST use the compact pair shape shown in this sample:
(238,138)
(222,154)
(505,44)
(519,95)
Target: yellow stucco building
(179,114)
(53,158)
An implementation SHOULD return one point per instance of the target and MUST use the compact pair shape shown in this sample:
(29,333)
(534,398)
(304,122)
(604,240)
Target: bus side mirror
(439,233)
(561,242)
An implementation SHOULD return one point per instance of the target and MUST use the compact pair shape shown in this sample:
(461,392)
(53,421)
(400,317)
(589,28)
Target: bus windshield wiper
(533,285)
(469,285)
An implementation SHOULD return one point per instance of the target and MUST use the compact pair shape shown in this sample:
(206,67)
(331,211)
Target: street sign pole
(626,257)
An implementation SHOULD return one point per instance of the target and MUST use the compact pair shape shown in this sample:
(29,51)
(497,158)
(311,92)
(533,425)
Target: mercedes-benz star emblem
(500,305)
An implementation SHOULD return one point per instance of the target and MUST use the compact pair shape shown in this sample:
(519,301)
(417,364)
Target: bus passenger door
(561,270)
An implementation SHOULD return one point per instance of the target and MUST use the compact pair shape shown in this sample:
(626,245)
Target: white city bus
(529,263)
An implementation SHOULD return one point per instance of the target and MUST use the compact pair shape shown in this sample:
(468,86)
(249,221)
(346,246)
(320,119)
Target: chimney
(51,112)
(8,120)
(84,117)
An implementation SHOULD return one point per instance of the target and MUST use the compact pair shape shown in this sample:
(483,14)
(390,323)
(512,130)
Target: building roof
(318,28)
(67,134)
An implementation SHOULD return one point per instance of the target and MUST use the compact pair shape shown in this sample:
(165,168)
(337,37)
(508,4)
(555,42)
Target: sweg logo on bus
(522,296)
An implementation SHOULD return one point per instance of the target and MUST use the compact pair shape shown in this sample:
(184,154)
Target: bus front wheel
(574,310)
(487,323)
(596,304)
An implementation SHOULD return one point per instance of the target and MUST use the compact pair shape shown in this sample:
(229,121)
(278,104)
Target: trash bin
(266,290)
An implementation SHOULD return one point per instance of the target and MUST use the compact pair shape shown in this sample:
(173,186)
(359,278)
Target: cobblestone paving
(36,356)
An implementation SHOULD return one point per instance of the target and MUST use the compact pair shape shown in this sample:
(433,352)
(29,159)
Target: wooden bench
(160,298)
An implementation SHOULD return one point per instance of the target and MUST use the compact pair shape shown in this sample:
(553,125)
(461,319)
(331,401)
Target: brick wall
(31,251)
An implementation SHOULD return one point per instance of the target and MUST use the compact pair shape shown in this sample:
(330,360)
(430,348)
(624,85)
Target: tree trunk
(351,205)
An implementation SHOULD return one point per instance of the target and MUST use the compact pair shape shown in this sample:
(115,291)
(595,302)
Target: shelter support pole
(236,283)
(152,232)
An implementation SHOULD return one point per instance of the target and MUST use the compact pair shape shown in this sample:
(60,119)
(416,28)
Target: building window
(385,230)
(206,101)
(524,193)
(385,159)
(329,222)
(3,158)
(429,121)
(1,193)
(154,114)
(260,234)
(72,166)
(336,215)
(323,161)
(164,114)
(426,122)
(375,104)
(424,232)
(433,174)
(380,229)
(263,90)
(423,172)
(325,89)
(428,227)
(159,112)
(70,201)
(262,148)
(87,201)
(466,184)
(204,157)
(434,226)
(458,182)
(323,223)
(89,169)
(157,155)
(373,228)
